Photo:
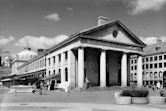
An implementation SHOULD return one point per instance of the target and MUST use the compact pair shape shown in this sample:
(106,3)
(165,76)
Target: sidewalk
(75,101)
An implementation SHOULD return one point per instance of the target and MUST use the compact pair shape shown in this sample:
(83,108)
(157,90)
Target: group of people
(41,86)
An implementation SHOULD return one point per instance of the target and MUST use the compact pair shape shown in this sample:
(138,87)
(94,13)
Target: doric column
(103,68)
(63,68)
(69,65)
(81,67)
(124,70)
(139,71)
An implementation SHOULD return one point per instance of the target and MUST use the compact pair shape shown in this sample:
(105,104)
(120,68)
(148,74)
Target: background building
(154,64)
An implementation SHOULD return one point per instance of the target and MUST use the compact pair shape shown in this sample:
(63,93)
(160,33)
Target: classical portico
(106,68)
(102,56)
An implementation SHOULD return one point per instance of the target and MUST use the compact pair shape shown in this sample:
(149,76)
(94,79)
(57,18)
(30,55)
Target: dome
(26,54)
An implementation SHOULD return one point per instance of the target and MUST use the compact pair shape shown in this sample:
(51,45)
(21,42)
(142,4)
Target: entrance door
(52,85)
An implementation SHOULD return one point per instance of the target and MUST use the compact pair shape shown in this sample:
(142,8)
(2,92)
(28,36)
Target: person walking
(158,85)
(41,88)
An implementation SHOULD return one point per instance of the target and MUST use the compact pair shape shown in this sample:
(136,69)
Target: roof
(109,24)
(81,33)
(32,60)
(86,31)
(155,48)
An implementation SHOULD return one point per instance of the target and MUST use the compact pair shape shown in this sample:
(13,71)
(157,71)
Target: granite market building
(101,54)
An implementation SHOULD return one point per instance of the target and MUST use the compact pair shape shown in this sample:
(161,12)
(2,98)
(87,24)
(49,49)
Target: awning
(23,75)
(54,76)
(8,79)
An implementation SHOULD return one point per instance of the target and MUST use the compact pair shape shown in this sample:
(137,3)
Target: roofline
(108,24)
(110,41)
(144,45)
(77,35)
(32,60)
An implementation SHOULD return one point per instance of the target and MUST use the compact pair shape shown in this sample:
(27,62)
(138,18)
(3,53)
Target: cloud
(152,40)
(53,17)
(40,42)
(4,40)
(141,6)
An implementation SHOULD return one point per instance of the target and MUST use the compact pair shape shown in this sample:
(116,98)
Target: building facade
(154,65)
(100,54)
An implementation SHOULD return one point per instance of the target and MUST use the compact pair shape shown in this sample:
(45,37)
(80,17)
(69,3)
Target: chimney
(40,51)
(102,20)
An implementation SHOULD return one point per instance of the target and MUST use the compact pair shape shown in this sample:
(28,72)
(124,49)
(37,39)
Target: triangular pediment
(114,32)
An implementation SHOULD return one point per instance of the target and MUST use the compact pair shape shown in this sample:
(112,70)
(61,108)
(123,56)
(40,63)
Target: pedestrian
(158,85)
(86,83)
(34,88)
(44,88)
(41,87)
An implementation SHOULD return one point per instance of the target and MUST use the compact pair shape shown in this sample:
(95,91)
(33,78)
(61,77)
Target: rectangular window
(54,59)
(131,61)
(135,61)
(165,57)
(155,58)
(49,62)
(151,66)
(131,67)
(143,60)
(66,55)
(135,67)
(151,59)
(160,65)
(155,65)
(45,62)
(59,57)
(160,57)
(164,64)
(142,66)
(147,66)
(147,59)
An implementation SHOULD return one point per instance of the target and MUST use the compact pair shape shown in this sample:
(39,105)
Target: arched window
(49,73)
(66,74)
(155,74)
(54,72)
(147,74)
(160,74)
(59,71)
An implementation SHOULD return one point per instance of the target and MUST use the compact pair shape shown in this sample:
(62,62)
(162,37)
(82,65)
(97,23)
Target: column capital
(139,55)
(81,47)
(103,50)
(125,52)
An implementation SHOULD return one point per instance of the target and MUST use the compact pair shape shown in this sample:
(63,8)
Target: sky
(44,23)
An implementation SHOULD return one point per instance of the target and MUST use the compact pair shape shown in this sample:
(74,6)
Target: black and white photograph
(82,55)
